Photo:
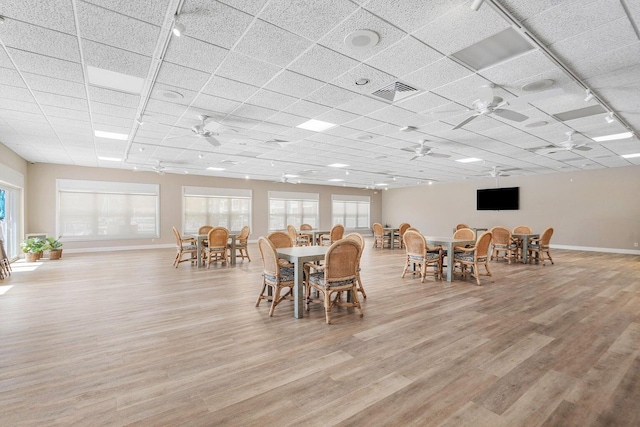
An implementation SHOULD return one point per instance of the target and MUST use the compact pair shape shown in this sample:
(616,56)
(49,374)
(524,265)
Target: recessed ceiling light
(382,184)
(113,80)
(111,135)
(336,180)
(337,165)
(631,156)
(362,39)
(110,159)
(290,175)
(536,124)
(538,85)
(213,168)
(469,160)
(170,94)
(362,82)
(365,137)
(316,125)
(613,137)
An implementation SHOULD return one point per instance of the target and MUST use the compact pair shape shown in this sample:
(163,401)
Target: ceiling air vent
(395,91)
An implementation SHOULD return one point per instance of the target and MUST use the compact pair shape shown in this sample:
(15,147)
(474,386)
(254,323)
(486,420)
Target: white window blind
(292,208)
(218,207)
(352,211)
(95,210)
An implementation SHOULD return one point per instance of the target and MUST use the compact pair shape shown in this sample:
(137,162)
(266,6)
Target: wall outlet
(635,245)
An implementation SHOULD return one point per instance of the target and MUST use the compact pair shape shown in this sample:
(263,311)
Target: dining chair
(398,235)
(471,258)
(184,246)
(464,233)
(217,249)
(339,275)
(5,265)
(242,241)
(274,275)
(521,229)
(280,239)
(296,239)
(357,237)
(459,226)
(306,236)
(503,243)
(205,230)
(336,233)
(540,246)
(420,255)
(379,238)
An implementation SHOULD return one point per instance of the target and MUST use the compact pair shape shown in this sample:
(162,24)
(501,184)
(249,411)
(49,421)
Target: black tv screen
(498,199)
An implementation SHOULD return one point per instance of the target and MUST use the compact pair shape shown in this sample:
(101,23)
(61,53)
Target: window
(92,210)
(292,208)
(218,207)
(350,211)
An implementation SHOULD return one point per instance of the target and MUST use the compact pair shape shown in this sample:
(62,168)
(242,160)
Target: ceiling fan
(422,150)
(488,104)
(207,130)
(566,145)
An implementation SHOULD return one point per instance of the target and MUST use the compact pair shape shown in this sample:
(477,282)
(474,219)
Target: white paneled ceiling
(258,69)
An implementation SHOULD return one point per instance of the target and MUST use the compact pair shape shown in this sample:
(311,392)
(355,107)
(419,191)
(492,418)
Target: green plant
(33,245)
(51,243)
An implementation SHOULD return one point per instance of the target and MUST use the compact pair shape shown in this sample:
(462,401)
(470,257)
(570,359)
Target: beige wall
(11,160)
(597,209)
(41,194)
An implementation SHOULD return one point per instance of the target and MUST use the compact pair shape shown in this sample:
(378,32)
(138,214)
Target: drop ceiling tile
(111,58)
(196,54)
(254,112)
(113,29)
(40,40)
(57,86)
(464,90)
(152,12)
(214,103)
(66,113)
(100,119)
(271,44)
(229,89)
(377,79)
(250,6)
(572,18)
(307,109)
(409,15)
(437,74)
(185,96)
(164,107)
(361,19)
(11,77)
(16,117)
(404,57)
(248,70)
(523,66)
(331,96)
(274,100)
(422,102)
(524,9)
(46,65)
(322,64)
(17,93)
(595,65)
(363,105)
(281,119)
(113,97)
(69,102)
(364,124)
(113,110)
(293,84)
(56,16)
(392,114)
(70,126)
(476,25)
(201,16)
(337,117)
(182,77)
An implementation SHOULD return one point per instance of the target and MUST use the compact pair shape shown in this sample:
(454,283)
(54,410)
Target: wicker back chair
(184,246)
(469,259)
(379,238)
(503,242)
(465,233)
(296,239)
(274,275)
(459,226)
(337,231)
(205,230)
(280,239)
(541,246)
(398,236)
(339,274)
(521,229)
(357,237)
(421,255)
(217,250)
(242,241)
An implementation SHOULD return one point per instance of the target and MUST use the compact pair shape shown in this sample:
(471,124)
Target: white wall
(591,210)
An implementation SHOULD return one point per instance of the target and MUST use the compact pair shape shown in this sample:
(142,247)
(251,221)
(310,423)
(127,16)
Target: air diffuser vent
(395,91)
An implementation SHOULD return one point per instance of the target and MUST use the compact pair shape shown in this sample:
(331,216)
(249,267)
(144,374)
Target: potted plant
(54,246)
(33,248)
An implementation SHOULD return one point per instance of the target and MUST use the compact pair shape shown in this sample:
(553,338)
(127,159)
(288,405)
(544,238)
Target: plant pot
(55,253)
(32,256)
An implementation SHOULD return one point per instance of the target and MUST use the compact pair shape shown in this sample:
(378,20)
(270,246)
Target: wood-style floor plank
(123,338)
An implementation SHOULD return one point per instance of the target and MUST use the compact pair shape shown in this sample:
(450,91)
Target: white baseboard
(591,249)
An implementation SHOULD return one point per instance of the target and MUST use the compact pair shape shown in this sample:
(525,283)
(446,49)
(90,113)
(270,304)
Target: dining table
(391,231)
(525,237)
(314,234)
(202,237)
(298,255)
(450,243)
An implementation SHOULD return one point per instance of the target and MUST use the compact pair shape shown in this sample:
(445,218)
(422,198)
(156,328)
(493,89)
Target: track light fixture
(178,28)
(476,4)
(609,118)
(589,96)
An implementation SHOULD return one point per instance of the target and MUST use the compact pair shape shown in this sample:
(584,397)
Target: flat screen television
(498,199)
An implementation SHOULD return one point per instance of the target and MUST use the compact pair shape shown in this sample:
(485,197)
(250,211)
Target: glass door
(9,223)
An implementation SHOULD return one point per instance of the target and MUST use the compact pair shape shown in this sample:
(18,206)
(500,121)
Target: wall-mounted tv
(498,199)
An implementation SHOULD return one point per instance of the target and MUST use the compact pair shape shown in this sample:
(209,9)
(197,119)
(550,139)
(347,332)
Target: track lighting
(178,28)
(476,4)
(609,118)
(589,96)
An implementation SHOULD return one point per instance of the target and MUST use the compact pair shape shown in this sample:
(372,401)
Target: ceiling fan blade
(211,140)
(465,121)
(536,96)
(414,157)
(582,148)
(441,156)
(510,115)
(179,136)
(486,94)
(547,150)
(409,149)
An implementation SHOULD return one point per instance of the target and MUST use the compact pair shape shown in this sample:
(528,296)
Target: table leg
(233,251)
(525,246)
(199,251)
(449,261)
(392,242)
(297,289)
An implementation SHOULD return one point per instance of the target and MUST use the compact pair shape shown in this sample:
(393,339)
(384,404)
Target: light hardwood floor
(109,339)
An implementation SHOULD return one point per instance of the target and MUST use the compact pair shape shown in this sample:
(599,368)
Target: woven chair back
(244,234)
(482,246)
(218,237)
(546,237)
(465,233)
(178,238)
(501,236)
(378,230)
(403,227)
(306,227)
(522,229)
(205,229)
(337,231)
(341,261)
(293,234)
(412,229)
(415,243)
(460,226)
(269,256)
(356,237)
(280,239)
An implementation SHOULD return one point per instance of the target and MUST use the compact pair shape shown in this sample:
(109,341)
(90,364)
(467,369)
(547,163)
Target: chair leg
(406,267)
(327,306)
(261,296)
(360,288)
(276,300)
